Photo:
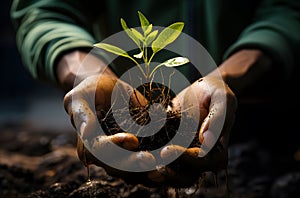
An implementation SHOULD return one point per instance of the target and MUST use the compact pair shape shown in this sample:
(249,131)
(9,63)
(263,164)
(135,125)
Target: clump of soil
(156,94)
(161,137)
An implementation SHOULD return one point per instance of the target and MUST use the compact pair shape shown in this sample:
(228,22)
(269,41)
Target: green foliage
(144,39)
(113,49)
(167,36)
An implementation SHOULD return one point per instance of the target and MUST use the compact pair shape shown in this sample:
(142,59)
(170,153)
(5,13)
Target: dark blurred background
(23,100)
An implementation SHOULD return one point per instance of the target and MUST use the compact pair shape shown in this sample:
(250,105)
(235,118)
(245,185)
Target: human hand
(80,106)
(89,82)
(217,106)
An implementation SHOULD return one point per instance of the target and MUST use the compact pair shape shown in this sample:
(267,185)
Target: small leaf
(113,49)
(150,37)
(148,30)
(167,36)
(129,33)
(177,61)
(144,21)
(139,55)
(123,24)
(137,34)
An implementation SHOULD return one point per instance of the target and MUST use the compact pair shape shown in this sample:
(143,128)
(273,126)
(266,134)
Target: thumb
(83,118)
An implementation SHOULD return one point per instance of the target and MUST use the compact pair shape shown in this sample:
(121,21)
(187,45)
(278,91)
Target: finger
(68,105)
(135,159)
(105,147)
(207,137)
(187,169)
(173,152)
(125,140)
(184,157)
(216,125)
(103,94)
(220,117)
(77,104)
(139,163)
(193,101)
(122,166)
(142,160)
(103,154)
(189,158)
(83,118)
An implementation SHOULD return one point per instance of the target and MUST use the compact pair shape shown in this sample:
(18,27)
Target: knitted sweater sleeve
(276,30)
(45,29)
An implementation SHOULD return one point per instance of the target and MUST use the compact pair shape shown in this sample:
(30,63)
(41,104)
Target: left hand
(217,105)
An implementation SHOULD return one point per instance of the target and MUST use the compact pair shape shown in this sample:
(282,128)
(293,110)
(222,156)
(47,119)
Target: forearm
(250,73)
(75,66)
(265,52)
(275,30)
(45,29)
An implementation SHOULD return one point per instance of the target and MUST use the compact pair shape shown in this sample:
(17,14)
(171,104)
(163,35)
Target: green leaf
(137,34)
(167,36)
(113,49)
(177,61)
(148,30)
(129,33)
(144,21)
(124,25)
(150,37)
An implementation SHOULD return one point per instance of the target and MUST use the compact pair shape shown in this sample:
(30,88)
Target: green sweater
(48,28)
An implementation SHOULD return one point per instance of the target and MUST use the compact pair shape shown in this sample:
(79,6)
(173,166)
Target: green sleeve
(276,30)
(47,28)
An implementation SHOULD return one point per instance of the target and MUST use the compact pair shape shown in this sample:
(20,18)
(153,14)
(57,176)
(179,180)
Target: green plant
(143,40)
(149,42)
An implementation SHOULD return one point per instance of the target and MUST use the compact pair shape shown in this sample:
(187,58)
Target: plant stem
(139,66)
(155,68)
(151,57)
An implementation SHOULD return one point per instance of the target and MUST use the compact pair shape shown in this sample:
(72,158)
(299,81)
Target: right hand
(95,92)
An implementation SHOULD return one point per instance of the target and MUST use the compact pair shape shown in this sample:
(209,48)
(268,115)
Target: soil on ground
(35,163)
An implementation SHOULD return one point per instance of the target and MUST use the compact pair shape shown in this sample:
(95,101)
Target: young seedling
(149,42)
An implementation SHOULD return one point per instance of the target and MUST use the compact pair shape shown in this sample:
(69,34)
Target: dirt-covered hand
(87,104)
(217,105)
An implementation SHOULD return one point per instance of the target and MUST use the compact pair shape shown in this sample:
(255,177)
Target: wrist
(249,73)
(77,65)
(241,64)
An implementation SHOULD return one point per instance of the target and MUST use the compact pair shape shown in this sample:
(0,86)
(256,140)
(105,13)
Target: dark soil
(45,164)
(162,95)
(161,137)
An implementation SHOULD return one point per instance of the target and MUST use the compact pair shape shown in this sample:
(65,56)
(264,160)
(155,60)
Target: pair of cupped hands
(86,102)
